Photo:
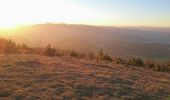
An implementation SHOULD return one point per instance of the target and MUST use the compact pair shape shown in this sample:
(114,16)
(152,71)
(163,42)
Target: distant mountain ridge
(138,41)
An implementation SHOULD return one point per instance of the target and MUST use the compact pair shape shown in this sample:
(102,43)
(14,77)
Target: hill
(136,41)
(34,77)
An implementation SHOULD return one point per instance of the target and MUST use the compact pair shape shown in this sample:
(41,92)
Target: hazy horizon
(100,13)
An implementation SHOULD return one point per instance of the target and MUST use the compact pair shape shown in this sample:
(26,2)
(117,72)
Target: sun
(26,12)
(7,25)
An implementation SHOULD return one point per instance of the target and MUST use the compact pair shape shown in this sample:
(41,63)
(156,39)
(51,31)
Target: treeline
(100,56)
(10,47)
(144,63)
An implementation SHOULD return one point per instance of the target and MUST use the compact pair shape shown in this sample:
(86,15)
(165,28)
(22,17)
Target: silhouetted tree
(50,51)
(73,54)
(7,46)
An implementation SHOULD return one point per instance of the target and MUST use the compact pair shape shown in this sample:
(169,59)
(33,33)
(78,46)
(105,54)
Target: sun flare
(20,12)
(14,13)
(7,25)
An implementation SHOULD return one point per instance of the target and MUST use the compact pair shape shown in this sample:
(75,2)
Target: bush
(107,58)
(100,56)
(50,51)
(135,61)
(73,54)
(149,63)
(10,47)
(7,46)
(119,60)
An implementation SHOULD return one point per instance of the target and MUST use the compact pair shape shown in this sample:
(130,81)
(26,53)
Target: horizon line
(63,23)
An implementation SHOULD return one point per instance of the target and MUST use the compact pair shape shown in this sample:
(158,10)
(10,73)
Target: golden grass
(34,77)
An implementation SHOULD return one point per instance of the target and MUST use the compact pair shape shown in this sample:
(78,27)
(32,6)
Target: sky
(90,12)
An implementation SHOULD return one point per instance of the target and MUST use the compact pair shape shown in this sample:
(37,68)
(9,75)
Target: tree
(73,54)
(50,51)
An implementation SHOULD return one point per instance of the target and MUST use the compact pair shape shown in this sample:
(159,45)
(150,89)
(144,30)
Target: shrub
(10,47)
(119,60)
(135,61)
(73,54)
(149,63)
(50,51)
(100,56)
(7,46)
(107,58)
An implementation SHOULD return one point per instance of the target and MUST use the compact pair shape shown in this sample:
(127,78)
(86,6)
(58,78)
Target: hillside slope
(149,42)
(34,77)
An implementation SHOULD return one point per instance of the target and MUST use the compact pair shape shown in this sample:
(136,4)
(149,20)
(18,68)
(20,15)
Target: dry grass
(33,77)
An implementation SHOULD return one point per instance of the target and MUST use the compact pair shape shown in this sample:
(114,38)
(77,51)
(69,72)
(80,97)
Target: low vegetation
(10,47)
(56,74)
(145,63)
(50,51)
(100,56)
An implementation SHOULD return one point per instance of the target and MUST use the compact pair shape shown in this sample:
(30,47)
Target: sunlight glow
(21,12)
(15,13)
